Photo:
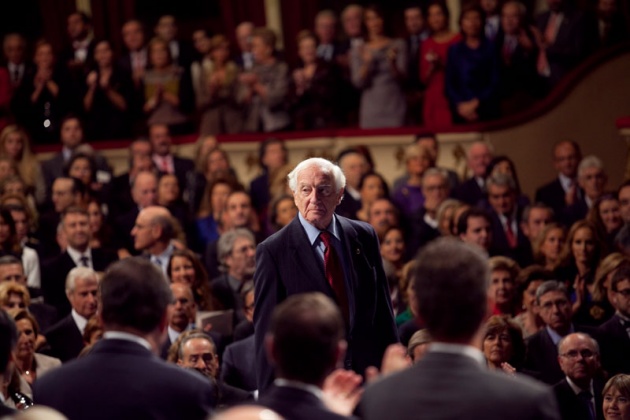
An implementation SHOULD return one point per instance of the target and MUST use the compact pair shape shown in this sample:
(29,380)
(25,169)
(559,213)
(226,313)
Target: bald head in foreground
(452,381)
(121,377)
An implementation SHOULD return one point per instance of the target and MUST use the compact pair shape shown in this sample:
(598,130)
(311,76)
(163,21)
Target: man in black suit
(243,33)
(579,394)
(134,63)
(134,299)
(424,226)
(66,337)
(14,48)
(534,219)
(181,51)
(562,191)
(319,251)
(554,305)
(474,227)
(165,161)
(478,157)
(76,227)
(181,316)
(8,341)
(592,180)
(452,380)
(416,35)
(354,165)
(239,364)
(618,326)
(325,30)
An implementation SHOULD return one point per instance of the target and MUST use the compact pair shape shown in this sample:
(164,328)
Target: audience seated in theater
(508,238)
(372,186)
(382,215)
(354,165)
(76,227)
(503,345)
(281,211)
(217,97)
(534,219)
(619,291)
(167,88)
(108,97)
(527,283)
(611,28)
(417,32)
(378,68)
(181,316)
(40,100)
(408,197)
(185,267)
(564,190)
(592,180)
(517,46)
(263,89)
(478,158)
(504,165)
(581,255)
(164,158)
(606,216)
(579,394)
(272,156)
(567,37)
(472,71)
(315,86)
(424,223)
(134,301)
(474,226)
(153,234)
(197,351)
(502,289)
(65,338)
(548,246)
(15,143)
(433,60)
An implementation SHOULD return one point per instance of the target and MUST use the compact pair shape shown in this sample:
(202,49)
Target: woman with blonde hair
(602,293)
(14,143)
(616,395)
(548,246)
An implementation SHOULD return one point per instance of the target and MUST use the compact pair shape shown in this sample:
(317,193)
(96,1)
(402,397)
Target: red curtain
(54,18)
(296,16)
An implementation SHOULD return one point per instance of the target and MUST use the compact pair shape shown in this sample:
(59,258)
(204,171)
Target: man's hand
(394,360)
(342,391)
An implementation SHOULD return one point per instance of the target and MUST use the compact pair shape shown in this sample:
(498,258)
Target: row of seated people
(498,63)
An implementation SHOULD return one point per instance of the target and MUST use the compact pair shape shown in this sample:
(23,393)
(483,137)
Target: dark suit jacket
(286,265)
(348,207)
(46,315)
(123,380)
(618,335)
(574,212)
(571,408)
(182,167)
(54,274)
(238,367)
(121,201)
(65,339)
(420,233)
(294,403)
(122,230)
(469,192)
(454,386)
(522,253)
(552,194)
(53,168)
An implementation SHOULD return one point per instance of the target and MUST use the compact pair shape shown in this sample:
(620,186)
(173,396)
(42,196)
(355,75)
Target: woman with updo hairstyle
(606,215)
(184,267)
(503,344)
(616,398)
(548,246)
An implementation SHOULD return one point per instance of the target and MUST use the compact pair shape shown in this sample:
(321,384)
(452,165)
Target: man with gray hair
(451,380)
(236,250)
(323,252)
(66,337)
(326,30)
(424,224)
(592,180)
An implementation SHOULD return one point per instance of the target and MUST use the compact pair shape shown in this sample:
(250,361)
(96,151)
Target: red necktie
(334,274)
(509,235)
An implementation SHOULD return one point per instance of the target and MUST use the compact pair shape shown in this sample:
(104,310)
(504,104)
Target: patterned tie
(334,274)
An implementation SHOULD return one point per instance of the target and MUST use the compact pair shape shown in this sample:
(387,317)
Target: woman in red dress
(436,112)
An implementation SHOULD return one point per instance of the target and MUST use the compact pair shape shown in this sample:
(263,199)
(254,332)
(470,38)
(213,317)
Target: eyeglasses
(573,354)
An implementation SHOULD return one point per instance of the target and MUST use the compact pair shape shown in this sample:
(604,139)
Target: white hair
(323,165)
(590,161)
(83,273)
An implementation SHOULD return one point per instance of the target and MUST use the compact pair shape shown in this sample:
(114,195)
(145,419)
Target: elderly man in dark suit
(478,158)
(320,251)
(121,378)
(579,394)
(451,381)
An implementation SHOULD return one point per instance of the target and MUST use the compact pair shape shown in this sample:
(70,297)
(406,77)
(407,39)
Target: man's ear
(340,195)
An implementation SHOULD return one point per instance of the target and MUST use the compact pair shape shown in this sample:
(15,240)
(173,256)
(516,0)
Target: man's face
(12,272)
(198,353)
(183,311)
(624,203)
(83,297)
(435,191)
(478,232)
(239,209)
(566,159)
(133,37)
(244,37)
(325,29)
(144,232)
(76,227)
(351,21)
(160,140)
(593,182)
(77,29)
(621,297)
(14,49)
(144,190)
(242,260)
(502,199)
(538,219)
(479,157)
(382,216)
(578,358)
(413,20)
(21,223)
(166,28)
(316,197)
(555,310)
(354,166)
(274,156)
(71,133)
(62,196)
(510,18)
